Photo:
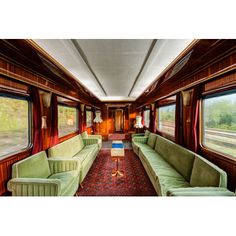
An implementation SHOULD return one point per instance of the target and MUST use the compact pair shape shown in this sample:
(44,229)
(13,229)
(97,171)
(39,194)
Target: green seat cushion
(206,174)
(200,191)
(180,158)
(168,182)
(89,150)
(35,166)
(66,178)
(67,148)
(151,140)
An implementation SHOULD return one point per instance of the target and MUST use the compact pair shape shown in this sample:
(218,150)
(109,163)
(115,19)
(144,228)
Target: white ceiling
(115,63)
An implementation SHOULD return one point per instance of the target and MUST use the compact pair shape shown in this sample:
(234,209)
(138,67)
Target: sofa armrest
(140,139)
(137,135)
(34,187)
(97,136)
(199,191)
(58,164)
(89,141)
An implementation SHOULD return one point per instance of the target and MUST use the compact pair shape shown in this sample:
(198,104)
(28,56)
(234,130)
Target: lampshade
(98,118)
(138,123)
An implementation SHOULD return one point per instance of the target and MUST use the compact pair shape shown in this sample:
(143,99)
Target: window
(146,117)
(14,124)
(219,123)
(166,119)
(89,118)
(67,120)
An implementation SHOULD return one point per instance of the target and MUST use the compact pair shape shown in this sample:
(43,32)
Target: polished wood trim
(179,57)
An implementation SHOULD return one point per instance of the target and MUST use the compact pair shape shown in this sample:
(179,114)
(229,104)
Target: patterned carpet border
(99,181)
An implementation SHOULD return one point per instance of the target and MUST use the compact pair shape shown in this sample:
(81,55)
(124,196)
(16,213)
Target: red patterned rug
(116,136)
(99,181)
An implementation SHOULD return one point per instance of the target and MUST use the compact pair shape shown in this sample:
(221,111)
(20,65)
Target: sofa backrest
(84,134)
(68,148)
(179,157)
(206,174)
(151,140)
(35,166)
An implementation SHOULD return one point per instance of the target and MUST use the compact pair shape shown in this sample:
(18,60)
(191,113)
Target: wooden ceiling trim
(15,72)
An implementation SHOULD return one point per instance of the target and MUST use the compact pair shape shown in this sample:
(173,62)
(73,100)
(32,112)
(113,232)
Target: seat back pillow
(67,148)
(147,132)
(35,166)
(206,174)
(151,140)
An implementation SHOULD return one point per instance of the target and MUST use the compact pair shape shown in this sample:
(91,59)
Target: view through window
(146,116)
(14,125)
(166,119)
(67,120)
(219,123)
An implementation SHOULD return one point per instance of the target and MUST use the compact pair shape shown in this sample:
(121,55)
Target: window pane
(166,121)
(89,118)
(67,120)
(219,126)
(146,115)
(14,125)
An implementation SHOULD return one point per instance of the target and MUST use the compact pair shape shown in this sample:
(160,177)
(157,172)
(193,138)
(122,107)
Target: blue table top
(117,145)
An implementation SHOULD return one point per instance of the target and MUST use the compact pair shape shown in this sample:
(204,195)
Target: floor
(100,182)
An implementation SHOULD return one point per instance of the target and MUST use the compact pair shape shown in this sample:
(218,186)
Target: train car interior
(117,117)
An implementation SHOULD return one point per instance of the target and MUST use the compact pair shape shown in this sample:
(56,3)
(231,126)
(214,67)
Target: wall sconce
(46,99)
(186,97)
(44,122)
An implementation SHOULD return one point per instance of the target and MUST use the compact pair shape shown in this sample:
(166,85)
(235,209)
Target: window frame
(203,147)
(61,138)
(24,97)
(166,135)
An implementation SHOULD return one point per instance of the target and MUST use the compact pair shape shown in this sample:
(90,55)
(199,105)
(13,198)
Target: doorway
(119,120)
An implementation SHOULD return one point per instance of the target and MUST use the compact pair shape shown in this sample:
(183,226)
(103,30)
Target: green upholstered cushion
(86,151)
(200,191)
(147,132)
(151,140)
(206,174)
(181,159)
(85,134)
(67,148)
(67,179)
(162,146)
(35,166)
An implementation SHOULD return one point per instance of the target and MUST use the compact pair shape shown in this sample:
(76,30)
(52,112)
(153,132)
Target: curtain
(54,121)
(80,119)
(179,119)
(155,119)
(194,128)
(37,121)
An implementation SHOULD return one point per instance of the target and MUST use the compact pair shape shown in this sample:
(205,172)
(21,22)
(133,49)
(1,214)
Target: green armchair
(92,138)
(38,175)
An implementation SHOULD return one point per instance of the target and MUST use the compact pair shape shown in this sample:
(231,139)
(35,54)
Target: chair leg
(81,185)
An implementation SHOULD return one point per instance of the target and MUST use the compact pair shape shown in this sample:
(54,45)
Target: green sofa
(98,137)
(38,175)
(170,166)
(84,150)
(146,134)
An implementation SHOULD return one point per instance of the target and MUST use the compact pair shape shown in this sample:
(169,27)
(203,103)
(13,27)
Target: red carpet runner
(99,181)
